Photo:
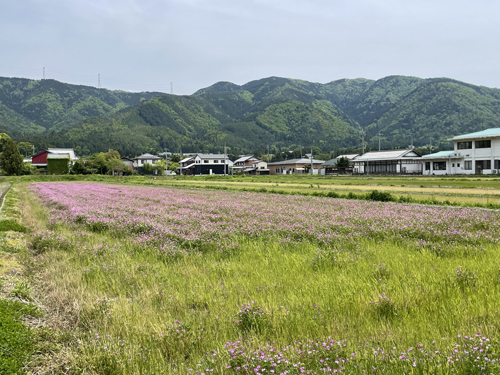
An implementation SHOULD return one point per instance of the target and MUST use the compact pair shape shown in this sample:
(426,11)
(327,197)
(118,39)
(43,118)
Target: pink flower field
(159,216)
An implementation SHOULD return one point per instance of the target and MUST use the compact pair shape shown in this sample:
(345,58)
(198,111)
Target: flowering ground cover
(166,280)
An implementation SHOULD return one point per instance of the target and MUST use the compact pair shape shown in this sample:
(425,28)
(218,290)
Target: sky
(181,46)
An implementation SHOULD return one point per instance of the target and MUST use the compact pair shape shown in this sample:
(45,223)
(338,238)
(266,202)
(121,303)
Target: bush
(6,225)
(380,196)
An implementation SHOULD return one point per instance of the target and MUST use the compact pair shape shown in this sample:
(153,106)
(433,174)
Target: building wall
(474,156)
(208,169)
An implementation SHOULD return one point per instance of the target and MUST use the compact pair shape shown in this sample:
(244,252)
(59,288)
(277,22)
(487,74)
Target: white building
(205,164)
(388,162)
(473,153)
(139,161)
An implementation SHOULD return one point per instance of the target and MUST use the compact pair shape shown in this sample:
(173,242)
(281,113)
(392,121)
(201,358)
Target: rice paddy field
(177,280)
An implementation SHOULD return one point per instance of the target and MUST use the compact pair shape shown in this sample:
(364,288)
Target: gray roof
(212,156)
(388,154)
(68,151)
(488,133)
(147,156)
(244,158)
(348,156)
(297,161)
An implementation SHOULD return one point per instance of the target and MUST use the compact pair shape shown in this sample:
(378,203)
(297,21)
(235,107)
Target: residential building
(294,166)
(40,160)
(250,164)
(139,161)
(388,162)
(205,164)
(330,167)
(128,162)
(473,153)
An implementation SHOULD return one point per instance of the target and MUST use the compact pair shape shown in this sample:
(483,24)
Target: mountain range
(278,112)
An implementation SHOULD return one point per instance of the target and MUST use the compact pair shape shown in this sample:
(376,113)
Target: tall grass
(367,302)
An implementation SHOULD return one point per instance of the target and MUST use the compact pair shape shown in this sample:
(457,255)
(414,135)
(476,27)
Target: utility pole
(268,154)
(33,149)
(311,161)
(379,134)
(411,140)
(363,146)
(225,151)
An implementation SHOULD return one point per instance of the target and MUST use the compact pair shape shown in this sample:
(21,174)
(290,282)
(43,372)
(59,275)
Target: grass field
(154,280)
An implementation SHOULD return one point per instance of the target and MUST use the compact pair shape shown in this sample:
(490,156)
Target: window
(483,144)
(216,161)
(453,165)
(497,164)
(427,165)
(205,161)
(277,170)
(468,165)
(483,164)
(439,166)
(464,145)
(458,165)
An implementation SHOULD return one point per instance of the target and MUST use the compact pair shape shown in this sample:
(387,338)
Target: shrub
(380,196)
(6,225)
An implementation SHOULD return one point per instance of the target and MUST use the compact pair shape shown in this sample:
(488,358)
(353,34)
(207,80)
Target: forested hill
(280,112)
(432,110)
(37,106)
(207,123)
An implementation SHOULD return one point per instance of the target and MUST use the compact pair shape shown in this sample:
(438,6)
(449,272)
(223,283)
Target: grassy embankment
(133,310)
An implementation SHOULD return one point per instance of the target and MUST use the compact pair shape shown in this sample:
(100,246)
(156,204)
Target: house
(330,166)
(473,153)
(139,161)
(251,165)
(294,166)
(128,162)
(388,162)
(40,160)
(205,164)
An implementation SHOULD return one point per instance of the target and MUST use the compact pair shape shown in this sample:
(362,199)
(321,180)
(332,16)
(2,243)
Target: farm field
(153,279)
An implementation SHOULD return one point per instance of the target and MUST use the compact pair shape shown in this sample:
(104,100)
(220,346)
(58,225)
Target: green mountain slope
(274,111)
(53,105)
(206,123)
(437,110)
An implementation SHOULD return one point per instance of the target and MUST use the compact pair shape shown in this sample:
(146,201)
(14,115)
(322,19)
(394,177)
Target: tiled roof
(147,156)
(487,133)
(244,158)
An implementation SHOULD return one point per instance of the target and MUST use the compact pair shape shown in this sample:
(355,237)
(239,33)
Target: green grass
(16,345)
(167,316)
(136,313)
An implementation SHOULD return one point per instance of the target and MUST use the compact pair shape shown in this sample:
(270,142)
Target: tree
(112,154)
(79,167)
(25,148)
(11,160)
(343,162)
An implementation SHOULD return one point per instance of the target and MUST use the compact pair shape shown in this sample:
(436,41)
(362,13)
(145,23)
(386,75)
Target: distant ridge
(280,112)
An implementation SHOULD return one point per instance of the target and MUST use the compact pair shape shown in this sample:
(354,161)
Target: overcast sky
(143,45)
